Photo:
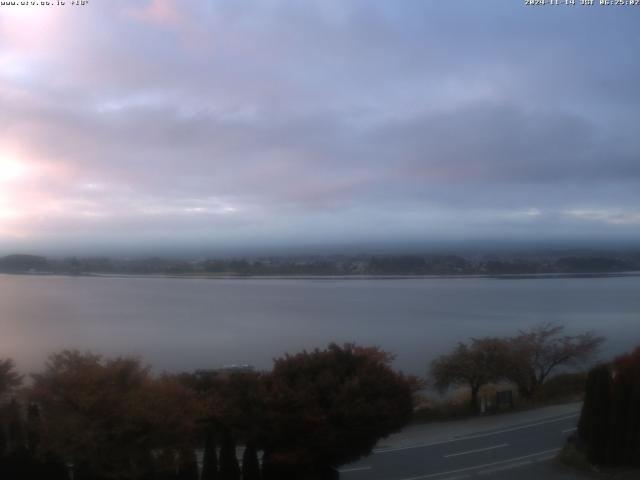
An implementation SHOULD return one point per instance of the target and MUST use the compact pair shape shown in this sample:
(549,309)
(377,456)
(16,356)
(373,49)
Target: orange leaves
(330,406)
(102,412)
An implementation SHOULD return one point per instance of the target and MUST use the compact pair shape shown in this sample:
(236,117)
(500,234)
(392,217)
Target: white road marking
(503,468)
(471,437)
(570,430)
(476,467)
(354,469)
(476,450)
(545,458)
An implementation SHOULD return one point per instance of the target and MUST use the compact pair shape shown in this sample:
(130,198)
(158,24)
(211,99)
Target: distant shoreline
(506,276)
(332,267)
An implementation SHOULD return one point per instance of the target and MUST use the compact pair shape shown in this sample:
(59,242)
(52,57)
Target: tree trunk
(473,403)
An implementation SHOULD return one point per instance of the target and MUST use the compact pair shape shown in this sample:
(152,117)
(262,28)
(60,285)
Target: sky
(189,124)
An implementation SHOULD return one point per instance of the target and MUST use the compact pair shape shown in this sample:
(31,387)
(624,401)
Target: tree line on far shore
(339,265)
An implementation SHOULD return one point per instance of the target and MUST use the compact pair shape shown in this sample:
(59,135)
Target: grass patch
(571,456)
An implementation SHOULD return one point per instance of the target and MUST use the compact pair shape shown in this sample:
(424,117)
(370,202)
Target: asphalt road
(518,451)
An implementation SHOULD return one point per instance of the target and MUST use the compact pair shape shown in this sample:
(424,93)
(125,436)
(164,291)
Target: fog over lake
(177,324)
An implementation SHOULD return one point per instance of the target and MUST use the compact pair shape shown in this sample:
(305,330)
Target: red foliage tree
(106,416)
(329,407)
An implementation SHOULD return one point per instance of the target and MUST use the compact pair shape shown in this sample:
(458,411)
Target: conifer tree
(16,427)
(250,463)
(146,466)
(187,465)
(166,468)
(616,436)
(3,449)
(229,468)
(4,444)
(594,421)
(52,468)
(632,442)
(33,426)
(627,369)
(210,458)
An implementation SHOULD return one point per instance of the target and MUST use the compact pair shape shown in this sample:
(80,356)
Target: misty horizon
(486,248)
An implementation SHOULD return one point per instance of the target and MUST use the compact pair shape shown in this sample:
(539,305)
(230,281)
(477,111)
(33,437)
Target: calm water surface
(179,324)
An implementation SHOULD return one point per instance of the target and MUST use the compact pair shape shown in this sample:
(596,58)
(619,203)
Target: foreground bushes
(113,419)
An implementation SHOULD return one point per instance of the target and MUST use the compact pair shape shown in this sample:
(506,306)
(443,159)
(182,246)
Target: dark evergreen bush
(610,419)
(620,398)
(594,421)
(229,468)
(187,465)
(165,465)
(210,458)
(250,463)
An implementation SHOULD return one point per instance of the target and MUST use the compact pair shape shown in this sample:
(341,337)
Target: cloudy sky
(220,123)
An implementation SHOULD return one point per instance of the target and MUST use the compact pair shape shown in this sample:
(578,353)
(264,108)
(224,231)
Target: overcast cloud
(226,122)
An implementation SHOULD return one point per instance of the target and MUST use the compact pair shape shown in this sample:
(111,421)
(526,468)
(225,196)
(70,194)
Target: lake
(178,323)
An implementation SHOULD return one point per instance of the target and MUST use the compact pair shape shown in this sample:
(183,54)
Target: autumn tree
(106,416)
(538,352)
(329,407)
(238,404)
(9,378)
(473,365)
(235,413)
(235,401)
